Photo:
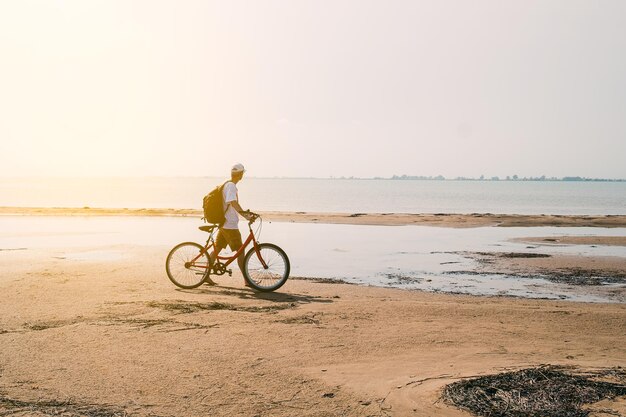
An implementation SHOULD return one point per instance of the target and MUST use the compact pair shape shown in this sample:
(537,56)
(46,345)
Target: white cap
(237,168)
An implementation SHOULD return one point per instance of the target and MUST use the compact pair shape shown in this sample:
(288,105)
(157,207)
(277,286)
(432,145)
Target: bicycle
(188,265)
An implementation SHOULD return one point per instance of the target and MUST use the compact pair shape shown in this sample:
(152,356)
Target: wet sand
(568,269)
(575,240)
(383,219)
(114,334)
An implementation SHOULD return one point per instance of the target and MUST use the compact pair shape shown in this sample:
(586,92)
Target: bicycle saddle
(208,229)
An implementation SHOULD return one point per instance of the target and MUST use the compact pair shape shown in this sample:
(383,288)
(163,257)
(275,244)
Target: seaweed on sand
(54,407)
(546,391)
(322,280)
(183,307)
(523,255)
(581,276)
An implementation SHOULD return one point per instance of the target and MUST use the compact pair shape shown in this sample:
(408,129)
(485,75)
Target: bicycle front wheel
(273,275)
(187,264)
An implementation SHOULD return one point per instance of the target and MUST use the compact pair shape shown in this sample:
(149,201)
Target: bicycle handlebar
(253,216)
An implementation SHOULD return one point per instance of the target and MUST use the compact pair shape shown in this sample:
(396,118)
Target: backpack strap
(222,191)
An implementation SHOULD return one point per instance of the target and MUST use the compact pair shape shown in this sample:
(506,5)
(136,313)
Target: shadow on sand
(249,294)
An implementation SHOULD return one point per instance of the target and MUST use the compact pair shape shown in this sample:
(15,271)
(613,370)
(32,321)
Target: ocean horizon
(325,195)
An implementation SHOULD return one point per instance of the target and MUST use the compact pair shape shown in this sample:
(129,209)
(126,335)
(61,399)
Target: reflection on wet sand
(482,261)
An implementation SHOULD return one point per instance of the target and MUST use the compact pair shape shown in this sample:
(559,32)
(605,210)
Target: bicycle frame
(210,243)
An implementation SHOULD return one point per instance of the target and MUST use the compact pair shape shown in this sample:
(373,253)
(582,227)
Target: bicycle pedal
(230,272)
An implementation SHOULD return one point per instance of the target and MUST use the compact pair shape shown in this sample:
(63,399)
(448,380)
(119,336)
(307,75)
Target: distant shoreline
(343,178)
(377,219)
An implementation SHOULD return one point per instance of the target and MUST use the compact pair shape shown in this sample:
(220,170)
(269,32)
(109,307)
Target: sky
(313,88)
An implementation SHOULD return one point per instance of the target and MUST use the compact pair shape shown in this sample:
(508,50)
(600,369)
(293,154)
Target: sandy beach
(378,219)
(88,335)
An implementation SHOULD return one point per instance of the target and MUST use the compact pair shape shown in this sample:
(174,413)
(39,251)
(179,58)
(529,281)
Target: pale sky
(313,88)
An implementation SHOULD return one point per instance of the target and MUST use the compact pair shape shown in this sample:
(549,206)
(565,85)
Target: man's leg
(234,241)
(240,262)
(240,259)
(213,255)
(220,243)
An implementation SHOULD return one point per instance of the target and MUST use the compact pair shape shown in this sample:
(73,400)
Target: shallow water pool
(411,257)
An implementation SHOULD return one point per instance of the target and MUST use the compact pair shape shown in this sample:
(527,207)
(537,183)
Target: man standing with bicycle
(229,233)
(265,267)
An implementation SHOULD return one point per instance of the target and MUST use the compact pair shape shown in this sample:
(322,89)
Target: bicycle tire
(182,275)
(266,279)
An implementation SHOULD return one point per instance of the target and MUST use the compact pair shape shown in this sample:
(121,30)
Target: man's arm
(230,197)
(238,209)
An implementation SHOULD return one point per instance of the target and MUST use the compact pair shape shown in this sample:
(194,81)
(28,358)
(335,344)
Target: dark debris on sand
(525,255)
(584,276)
(399,278)
(512,255)
(568,275)
(322,280)
(546,391)
(183,307)
(9,406)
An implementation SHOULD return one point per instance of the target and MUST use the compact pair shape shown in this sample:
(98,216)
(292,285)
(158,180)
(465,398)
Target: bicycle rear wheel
(181,268)
(271,277)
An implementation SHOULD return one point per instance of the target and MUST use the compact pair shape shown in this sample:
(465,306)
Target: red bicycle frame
(229,259)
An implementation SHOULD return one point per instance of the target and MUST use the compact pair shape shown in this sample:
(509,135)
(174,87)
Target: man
(229,233)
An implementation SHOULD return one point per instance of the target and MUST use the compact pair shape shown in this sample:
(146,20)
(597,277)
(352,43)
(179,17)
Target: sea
(325,195)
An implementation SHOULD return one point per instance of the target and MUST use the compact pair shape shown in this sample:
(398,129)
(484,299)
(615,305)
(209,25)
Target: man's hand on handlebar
(250,216)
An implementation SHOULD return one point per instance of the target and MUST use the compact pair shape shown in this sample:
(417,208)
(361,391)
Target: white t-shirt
(229,192)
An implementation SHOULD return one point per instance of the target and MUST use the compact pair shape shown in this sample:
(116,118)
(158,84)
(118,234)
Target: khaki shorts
(232,237)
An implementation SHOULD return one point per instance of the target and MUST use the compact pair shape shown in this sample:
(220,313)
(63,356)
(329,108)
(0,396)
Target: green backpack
(213,206)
